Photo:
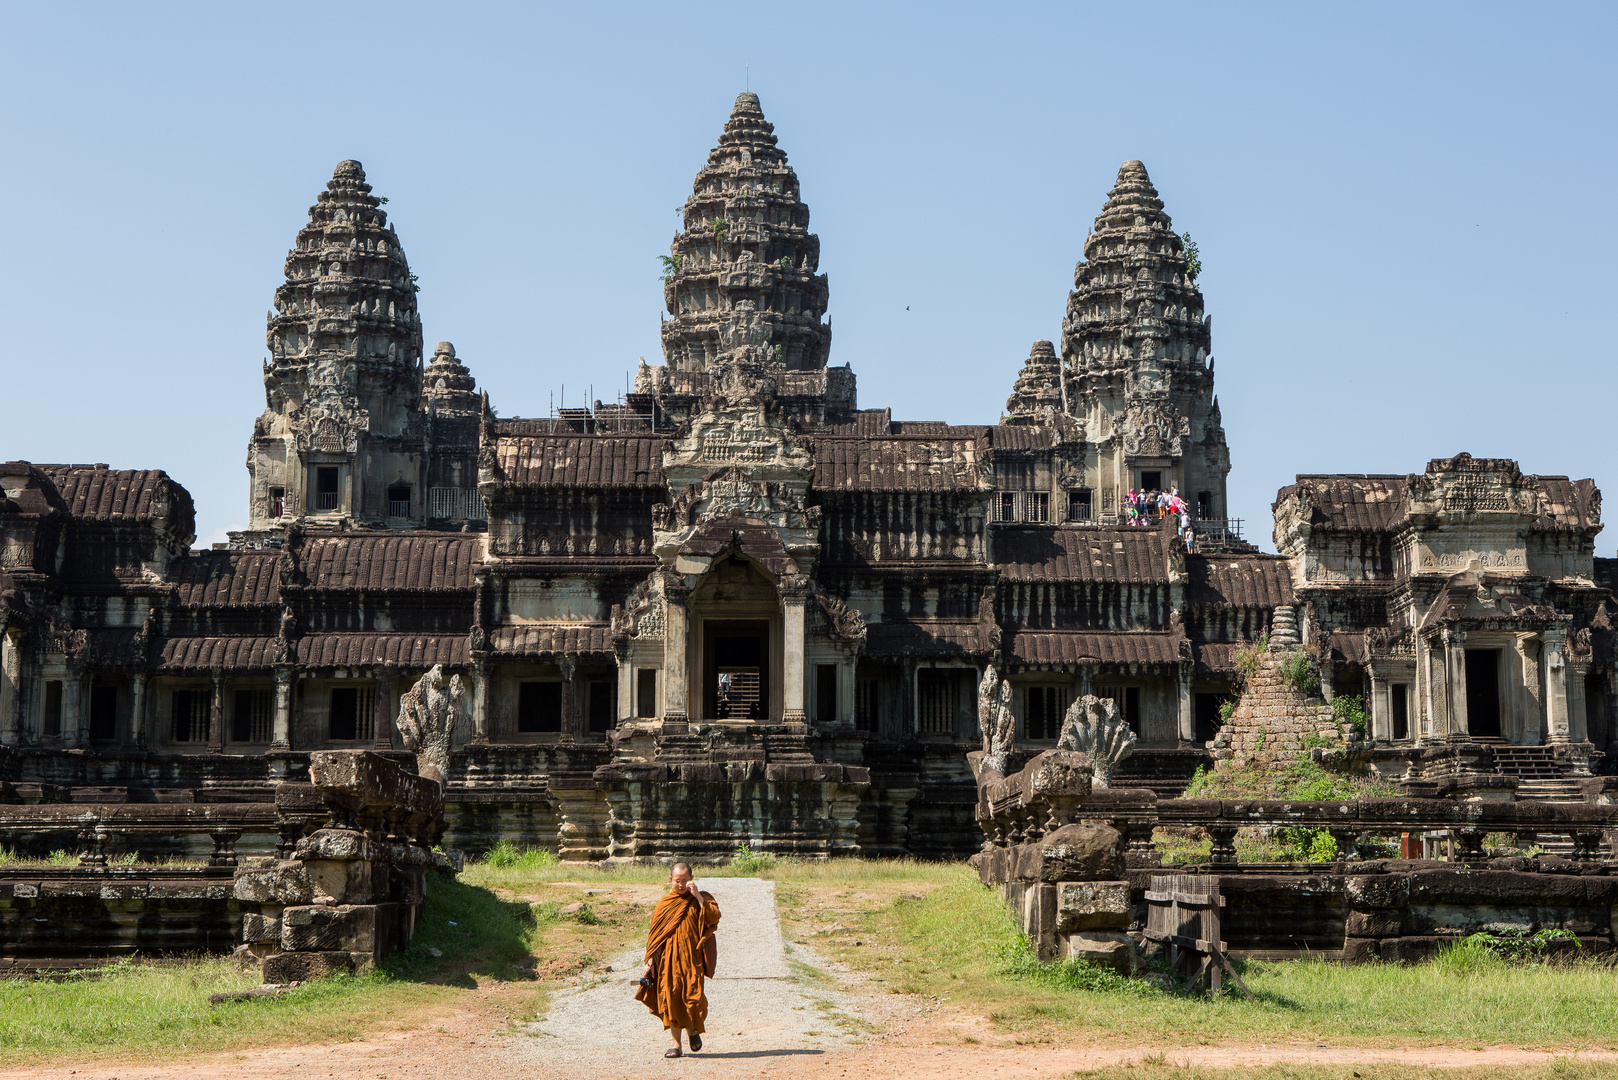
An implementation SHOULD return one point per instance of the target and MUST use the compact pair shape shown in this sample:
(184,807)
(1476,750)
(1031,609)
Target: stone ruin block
(1093,905)
(350,894)
(1107,948)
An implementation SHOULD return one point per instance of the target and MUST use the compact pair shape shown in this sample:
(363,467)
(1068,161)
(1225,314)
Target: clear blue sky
(1405,211)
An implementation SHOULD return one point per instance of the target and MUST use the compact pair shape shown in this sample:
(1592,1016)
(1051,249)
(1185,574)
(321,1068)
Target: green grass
(143,1009)
(846,872)
(1561,1068)
(957,940)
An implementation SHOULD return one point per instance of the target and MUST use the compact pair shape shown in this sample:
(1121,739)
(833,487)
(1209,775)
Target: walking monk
(680,953)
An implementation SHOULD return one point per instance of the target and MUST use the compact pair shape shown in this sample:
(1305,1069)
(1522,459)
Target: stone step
(1550,791)
(1527,762)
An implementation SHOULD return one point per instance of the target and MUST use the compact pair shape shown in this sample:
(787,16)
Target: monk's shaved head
(680,871)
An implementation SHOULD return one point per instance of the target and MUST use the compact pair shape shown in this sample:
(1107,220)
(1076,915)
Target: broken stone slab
(1105,948)
(260,927)
(265,991)
(1093,905)
(321,928)
(290,967)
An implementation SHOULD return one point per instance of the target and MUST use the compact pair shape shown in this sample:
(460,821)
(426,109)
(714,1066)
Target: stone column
(480,701)
(1556,719)
(792,659)
(676,682)
(1455,681)
(1087,680)
(570,700)
(1426,722)
(1381,709)
(1578,718)
(10,687)
(281,736)
(383,710)
(216,712)
(909,722)
(136,738)
(72,690)
(1188,717)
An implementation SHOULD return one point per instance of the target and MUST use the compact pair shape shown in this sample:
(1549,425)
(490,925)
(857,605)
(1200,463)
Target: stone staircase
(1526,762)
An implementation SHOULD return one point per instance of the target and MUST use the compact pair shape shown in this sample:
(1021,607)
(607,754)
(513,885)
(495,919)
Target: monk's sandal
(673,1051)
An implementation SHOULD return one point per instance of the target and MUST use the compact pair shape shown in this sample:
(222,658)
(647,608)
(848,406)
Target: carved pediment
(1464,486)
(1152,429)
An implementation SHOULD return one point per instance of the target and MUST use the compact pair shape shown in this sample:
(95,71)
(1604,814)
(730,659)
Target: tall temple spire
(1135,354)
(343,383)
(742,275)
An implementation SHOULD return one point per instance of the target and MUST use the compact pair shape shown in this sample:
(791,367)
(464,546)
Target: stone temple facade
(738,605)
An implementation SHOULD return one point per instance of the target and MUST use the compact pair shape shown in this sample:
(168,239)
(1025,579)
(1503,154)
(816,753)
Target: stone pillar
(281,736)
(1381,709)
(1188,717)
(480,701)
(1087,680)
(1426,723)
(10,686)
(216,712)
(847,672)
(72,686)
(136,738)
(384,711)
(676,681)
(909,722)
(1578,718)
(570,700)
(626,687)
(792,659)
(1556,718)
(1455,681)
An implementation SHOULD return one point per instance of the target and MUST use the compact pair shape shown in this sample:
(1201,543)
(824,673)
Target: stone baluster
(1223,851)
(10,686)
(1381,709)
(1455,681)
(136,738)
(1469,845)
(72,706)
(570,700)
(216,711)
(1556,718)
(676,681)
(1188,718)
(224,846)
(480,701)
(281,735)
(383,709)
(792,674)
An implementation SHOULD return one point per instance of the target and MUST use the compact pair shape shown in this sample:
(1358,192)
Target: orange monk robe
(679,928)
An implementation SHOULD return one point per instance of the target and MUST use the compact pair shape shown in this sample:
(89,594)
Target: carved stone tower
(342,437)
(1038,387)
(743,271)
(1135,356)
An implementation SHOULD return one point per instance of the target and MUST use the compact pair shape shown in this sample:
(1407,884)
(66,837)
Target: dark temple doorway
(1483,693)
(736,682)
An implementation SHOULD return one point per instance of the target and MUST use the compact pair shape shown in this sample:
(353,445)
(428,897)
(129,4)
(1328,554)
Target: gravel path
(759,1014)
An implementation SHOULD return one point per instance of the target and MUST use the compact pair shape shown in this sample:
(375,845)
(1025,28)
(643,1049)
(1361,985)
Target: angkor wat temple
(737,605)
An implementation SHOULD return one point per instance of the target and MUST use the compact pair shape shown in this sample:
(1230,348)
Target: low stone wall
(643,812)
(1405,910)
(65,917)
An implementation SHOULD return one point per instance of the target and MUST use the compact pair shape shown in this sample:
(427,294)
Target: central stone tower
(1135,356)
(744,268)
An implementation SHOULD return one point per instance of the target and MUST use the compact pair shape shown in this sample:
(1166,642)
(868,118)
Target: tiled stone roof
(582,461)
(535,640)
(229,579)
(1063,554)
(1056,647)
(408,562)
(1238,581)
(946,463)
(202,653)
(401,650)
(97,493)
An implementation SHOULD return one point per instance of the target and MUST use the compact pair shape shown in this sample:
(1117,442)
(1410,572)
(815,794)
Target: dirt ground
(824,1021)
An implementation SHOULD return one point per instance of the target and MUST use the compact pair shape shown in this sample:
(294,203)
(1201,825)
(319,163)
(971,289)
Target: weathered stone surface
(316,928)
(1092,905)
(1374,924)
(1106,948)
(1379,890)
(289,967)
(257,927)
(1075,853)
